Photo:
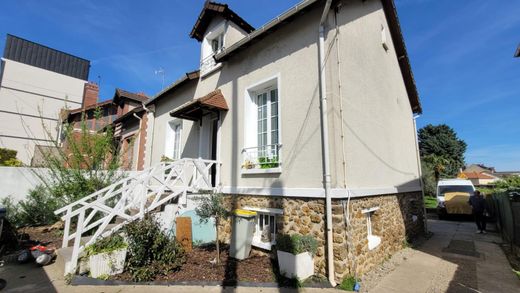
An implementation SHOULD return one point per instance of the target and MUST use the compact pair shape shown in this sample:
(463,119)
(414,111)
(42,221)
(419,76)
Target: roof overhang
(189,76)
(194,110)
(210,10)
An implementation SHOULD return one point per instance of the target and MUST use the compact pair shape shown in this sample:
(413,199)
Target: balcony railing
(262,157)
(207,64)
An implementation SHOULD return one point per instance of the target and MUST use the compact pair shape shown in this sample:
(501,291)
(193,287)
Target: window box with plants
(296,255)
(107,256)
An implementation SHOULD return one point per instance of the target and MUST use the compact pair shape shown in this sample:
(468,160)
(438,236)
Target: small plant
(296,243)
(266,162)
(150,251)
(106,245)
(348,283)
(248,165)
(211,206)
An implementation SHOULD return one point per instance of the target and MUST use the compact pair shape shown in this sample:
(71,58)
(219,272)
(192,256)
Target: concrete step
(63,257)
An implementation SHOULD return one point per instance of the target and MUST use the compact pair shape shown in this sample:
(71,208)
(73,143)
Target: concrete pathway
(455,259)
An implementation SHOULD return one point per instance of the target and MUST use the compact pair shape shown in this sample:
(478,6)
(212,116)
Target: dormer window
(217,43)
(217,27)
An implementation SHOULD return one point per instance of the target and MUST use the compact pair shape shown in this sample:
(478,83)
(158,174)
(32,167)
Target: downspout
(325,143)
(419,171)
(152,124)
(139,136)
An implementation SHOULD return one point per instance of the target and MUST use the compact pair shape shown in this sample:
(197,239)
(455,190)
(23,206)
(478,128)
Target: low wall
(17,181)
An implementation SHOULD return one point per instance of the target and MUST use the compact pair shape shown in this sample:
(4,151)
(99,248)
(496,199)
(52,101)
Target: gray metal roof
(31,53)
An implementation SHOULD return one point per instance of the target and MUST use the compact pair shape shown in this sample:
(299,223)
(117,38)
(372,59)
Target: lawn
(430,202)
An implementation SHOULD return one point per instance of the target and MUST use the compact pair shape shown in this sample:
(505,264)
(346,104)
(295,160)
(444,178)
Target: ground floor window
(265,227)
(373,240)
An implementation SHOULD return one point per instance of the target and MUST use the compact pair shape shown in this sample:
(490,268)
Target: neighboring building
(36,83)
(130,136)
(479,168)
(479,178)
(118,112)
(122,102)
(254,106)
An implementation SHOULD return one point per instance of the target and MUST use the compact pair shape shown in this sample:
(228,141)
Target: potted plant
(295,255)
(107,256)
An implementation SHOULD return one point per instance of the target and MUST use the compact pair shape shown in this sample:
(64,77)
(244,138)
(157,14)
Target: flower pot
(110,263)
(300,266)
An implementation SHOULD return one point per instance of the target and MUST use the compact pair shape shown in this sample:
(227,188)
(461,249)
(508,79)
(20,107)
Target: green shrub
(36,210)
(14,213)
(266,162)
(348,283)
(150,251)
(106,245)
(8,158)
(296,243)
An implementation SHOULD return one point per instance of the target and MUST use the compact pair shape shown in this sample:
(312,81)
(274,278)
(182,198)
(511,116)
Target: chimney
(90,94)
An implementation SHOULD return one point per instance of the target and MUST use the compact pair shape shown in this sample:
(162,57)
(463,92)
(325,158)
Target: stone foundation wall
(400,217)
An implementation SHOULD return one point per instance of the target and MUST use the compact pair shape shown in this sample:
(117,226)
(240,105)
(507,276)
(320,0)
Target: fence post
(66,229)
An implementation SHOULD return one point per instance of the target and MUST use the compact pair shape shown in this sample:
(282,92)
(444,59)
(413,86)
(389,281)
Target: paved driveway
(455,259)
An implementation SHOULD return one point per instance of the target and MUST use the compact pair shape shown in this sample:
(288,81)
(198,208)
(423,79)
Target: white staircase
(107,210)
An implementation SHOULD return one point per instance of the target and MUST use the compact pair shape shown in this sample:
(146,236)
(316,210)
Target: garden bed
(257,269)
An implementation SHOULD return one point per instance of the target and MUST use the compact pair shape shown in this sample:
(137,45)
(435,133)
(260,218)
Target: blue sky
(461,54)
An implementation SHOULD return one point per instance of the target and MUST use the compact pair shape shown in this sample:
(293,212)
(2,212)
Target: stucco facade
(377,119)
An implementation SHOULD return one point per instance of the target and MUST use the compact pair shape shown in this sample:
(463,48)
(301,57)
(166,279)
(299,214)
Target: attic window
(217,43)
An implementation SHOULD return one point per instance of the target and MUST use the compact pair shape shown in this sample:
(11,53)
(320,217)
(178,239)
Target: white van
(453,196)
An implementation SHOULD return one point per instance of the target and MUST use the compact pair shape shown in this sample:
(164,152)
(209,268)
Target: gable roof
(477,175)
(120,93)
(300,8)
(210,10)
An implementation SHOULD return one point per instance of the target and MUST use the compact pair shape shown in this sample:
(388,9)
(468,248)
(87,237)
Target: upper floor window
(217,43)
(261,153)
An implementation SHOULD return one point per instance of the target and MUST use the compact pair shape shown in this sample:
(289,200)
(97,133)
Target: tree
(84,163)
(211,206)
(440,147)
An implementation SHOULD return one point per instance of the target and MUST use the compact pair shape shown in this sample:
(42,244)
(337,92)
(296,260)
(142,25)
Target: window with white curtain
(173,139)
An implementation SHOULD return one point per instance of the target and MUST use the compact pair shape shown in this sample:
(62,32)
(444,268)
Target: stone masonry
(398,219)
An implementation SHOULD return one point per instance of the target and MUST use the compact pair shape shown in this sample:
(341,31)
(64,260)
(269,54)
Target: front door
(208,141)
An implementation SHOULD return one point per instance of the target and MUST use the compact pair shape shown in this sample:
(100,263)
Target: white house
(310,120)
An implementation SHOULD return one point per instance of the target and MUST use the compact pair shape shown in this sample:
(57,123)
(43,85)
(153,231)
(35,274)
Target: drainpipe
(151,122)
(325,143)
(419,171)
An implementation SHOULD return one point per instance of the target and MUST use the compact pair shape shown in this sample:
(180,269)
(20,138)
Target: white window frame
(257,236)
(373,240)
(251,119)
(173,140)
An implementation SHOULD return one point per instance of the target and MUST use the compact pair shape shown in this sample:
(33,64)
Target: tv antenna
(161,72)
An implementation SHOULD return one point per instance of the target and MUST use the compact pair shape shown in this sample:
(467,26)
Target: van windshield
(455,188)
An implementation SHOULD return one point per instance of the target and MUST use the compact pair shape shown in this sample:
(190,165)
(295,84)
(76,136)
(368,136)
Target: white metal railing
(207,64)
(131,198)
(262,157)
